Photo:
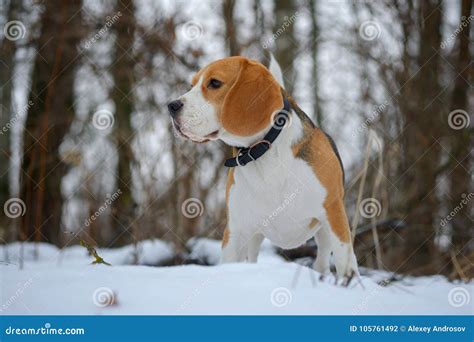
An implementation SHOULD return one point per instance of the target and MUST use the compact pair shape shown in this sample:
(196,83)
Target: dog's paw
(346,280)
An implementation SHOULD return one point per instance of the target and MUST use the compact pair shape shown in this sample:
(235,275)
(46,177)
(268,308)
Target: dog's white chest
(279,198)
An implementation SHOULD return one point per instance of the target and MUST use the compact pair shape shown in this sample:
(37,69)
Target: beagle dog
(285,180)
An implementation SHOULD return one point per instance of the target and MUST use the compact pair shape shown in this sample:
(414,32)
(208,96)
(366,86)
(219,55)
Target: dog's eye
(214,84)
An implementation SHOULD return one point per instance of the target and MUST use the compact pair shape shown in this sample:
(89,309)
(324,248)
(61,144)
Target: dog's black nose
(174,107)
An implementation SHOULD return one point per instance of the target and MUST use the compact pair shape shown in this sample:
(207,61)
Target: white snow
(66,283)
(150,252)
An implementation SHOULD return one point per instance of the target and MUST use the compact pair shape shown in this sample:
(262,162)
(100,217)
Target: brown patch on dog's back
(299,112)
(316,149)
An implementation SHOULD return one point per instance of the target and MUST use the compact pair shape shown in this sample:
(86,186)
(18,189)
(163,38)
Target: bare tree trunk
(49,118)
(188,222)
(259,17)
(461,140)
(231,34)
(7,117)
(175,205)
(286,46)
(317,111)
(122,95)
(422,152)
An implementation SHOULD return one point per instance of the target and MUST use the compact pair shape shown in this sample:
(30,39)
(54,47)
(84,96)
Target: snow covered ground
(64,282)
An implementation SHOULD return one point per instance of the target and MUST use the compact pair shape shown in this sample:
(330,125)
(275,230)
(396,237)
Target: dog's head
(232,99)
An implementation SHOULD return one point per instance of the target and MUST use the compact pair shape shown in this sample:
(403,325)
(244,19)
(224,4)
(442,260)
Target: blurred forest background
(88,152)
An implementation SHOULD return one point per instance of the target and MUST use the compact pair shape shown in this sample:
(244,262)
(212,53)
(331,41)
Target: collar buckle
(263,141)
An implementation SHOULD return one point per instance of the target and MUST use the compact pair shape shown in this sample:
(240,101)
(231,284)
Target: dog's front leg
(232,248)
(253,247)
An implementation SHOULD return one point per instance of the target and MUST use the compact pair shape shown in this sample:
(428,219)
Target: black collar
(246,155)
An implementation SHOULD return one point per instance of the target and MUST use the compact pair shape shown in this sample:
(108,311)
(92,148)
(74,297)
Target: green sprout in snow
(93,252)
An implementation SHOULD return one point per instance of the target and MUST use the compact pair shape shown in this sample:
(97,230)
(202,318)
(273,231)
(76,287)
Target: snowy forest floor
(64,282)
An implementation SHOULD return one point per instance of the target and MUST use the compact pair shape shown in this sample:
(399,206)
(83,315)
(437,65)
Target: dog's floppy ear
(251,101)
